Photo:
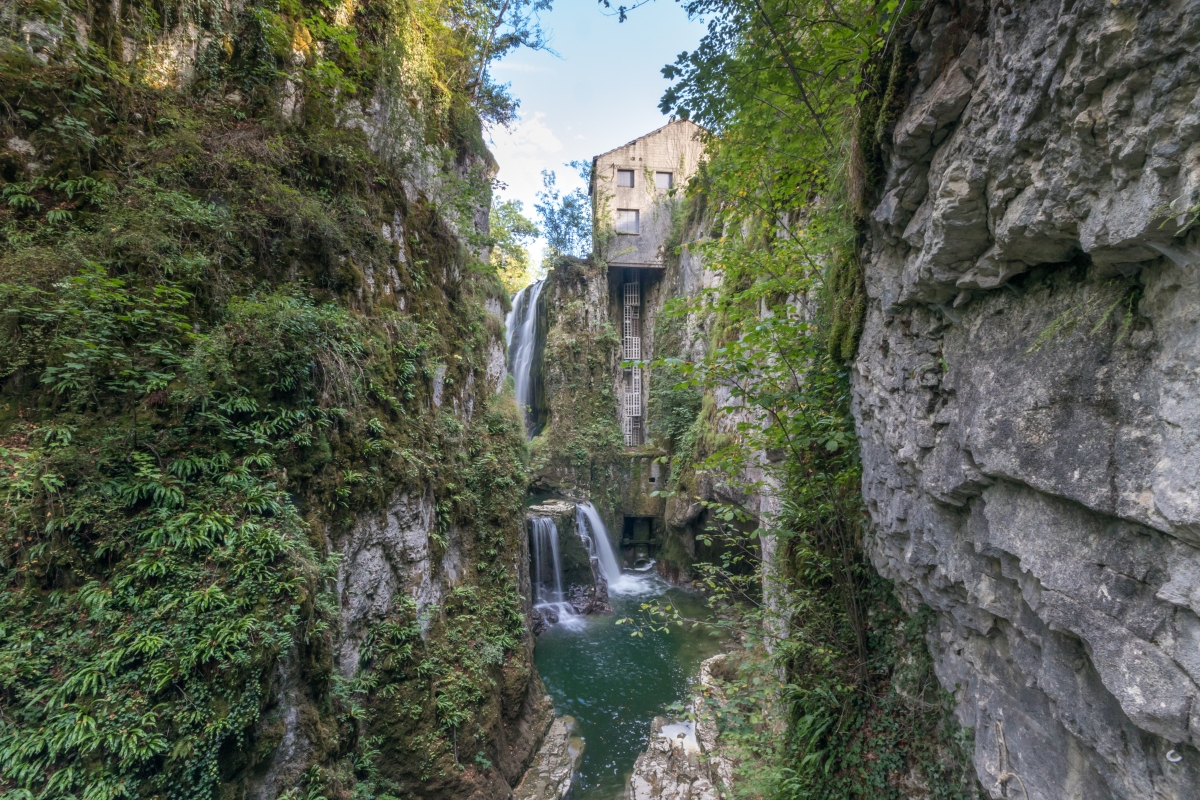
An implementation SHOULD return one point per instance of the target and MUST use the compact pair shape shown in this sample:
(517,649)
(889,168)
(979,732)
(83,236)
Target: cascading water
(547,569)
(521,332)
(588,519)
(612,683)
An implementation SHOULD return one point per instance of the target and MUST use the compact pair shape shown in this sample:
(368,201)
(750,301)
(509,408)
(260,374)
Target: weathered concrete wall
(1037,483)
(674,148)
(641,477)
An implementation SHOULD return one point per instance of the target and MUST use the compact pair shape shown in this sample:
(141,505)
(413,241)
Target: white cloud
(530,134)
(522,153)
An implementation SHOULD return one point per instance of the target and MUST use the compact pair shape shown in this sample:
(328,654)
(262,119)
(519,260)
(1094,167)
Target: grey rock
(683,760)
(19,145)
(552,773)
(1031,448)
(584,586)
(383,555)
(669,769)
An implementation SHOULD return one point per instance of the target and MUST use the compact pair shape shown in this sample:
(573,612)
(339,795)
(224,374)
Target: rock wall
(583,585)
(1027,390)
(685,759)
(551,776)
(578,452)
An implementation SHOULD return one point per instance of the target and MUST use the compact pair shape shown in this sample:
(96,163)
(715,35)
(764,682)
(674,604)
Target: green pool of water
(614,684)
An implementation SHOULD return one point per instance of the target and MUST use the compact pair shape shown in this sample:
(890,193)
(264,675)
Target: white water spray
(521,337)
(588,520)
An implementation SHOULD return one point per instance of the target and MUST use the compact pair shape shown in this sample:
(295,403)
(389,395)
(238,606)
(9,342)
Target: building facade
(635,191)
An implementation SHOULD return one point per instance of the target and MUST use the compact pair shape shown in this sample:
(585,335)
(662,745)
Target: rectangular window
(625,178)
(664,180)
(627,220)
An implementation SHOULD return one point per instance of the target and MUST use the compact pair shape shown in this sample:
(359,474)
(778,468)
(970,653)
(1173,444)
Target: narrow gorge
(843,443)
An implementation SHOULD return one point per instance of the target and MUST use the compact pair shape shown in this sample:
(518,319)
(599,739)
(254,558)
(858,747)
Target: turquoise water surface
(615,684)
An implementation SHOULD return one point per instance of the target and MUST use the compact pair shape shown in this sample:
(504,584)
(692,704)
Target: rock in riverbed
(553,769)
(681,760)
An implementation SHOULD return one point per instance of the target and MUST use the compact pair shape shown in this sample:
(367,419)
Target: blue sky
(599,92)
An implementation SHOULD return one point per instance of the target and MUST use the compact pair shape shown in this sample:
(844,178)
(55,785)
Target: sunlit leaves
(566,219)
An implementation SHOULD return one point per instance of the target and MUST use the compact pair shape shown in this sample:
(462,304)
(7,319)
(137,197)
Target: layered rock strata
(1027,387)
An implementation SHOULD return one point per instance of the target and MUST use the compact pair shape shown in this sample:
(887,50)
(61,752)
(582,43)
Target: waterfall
(547,568)
(547,565)
(521,334)
(599,545)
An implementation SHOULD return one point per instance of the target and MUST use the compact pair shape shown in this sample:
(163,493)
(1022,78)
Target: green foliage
(207,380)
(816,738)
(1091,312)
(566,219)
(511,233)
(886,738)
(96,335)
(782,86)
(151,576)
(431,699)
(581,445)
(846,303)
(674,407)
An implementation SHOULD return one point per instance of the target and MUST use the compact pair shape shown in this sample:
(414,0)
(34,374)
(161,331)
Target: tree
(512,232)
(566,218)
(490,29)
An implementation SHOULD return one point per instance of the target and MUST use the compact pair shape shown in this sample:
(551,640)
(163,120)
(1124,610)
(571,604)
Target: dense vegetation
(243,308)
(512,232)
(796,95)
(579,451)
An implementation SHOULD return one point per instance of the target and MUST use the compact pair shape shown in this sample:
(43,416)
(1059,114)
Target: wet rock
(543,618)
(552,772)
(682,760)
(671,768)
(584,586)
(590,599)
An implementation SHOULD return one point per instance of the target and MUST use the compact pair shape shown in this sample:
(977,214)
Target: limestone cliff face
(1027,390)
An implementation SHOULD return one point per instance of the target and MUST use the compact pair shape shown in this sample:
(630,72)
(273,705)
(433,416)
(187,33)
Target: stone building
(632,188)
(635,189)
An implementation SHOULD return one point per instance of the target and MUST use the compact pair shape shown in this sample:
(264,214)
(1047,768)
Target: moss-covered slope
(243,311)
(578,452)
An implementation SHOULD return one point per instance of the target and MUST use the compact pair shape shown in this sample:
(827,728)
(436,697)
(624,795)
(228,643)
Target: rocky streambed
(682,760)
(618,689)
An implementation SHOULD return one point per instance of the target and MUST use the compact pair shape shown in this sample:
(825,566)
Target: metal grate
(631,349)
(631,323)
(633,431)
(633,294)
(632,408)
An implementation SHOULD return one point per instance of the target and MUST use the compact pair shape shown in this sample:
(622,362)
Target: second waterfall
(523,351)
